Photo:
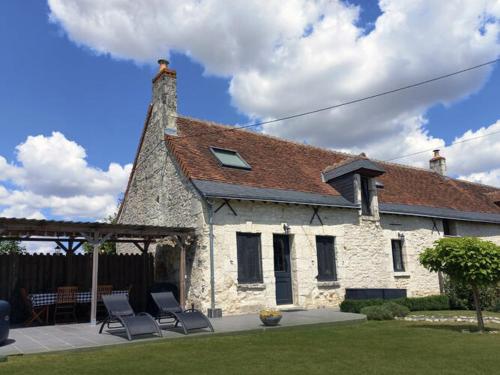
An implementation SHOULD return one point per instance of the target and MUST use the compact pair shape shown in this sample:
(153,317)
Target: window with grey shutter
(366,199)
(397,256)
(325,249)
(249,258)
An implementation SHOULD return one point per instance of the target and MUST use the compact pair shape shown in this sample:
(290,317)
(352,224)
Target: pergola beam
(79,239)
(96,234)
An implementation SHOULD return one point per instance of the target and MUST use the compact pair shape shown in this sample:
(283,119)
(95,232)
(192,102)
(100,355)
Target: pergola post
(182,242)
(95,274)
(182,276)
(95,240)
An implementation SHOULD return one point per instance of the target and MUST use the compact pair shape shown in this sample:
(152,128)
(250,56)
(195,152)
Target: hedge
(439,302)
(355,305)
(377,312)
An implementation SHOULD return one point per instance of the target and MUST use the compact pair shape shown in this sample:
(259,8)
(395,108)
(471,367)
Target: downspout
(212,260)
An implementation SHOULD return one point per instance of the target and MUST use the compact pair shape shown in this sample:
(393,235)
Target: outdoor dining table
(46,299)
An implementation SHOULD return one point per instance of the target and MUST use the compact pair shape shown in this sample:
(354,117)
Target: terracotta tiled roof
(494,196)
(281,164)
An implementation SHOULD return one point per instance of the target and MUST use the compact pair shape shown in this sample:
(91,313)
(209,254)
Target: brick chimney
(438,163)
(165,97)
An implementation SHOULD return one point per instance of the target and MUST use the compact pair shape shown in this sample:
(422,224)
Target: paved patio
(75,336)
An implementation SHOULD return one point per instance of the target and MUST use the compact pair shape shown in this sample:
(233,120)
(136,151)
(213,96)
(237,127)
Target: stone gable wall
(159,194)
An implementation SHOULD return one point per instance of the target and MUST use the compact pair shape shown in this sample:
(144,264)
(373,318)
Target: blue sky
(98,100)
(49,83)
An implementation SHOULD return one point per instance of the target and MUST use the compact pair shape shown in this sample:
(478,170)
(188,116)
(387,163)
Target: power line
(413,85)
(452,144)
(421,83)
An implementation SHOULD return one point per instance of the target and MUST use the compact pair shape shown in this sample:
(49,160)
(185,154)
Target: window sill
(402,274)
(331,284)
(369,218)
(252,286)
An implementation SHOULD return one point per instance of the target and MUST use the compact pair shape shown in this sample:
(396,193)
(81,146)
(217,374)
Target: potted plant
(270,317)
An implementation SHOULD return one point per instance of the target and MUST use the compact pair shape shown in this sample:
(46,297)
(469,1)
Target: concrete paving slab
(28,340)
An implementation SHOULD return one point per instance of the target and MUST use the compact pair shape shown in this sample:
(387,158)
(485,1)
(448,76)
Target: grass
(446,313)
(392,347)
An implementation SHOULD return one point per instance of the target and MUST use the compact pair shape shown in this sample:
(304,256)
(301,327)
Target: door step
(289,308)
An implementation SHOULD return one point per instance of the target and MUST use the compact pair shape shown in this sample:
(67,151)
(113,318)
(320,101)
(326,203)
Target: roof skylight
(230,158)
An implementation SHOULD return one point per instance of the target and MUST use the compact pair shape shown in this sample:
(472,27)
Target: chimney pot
(163,65)
(436,153)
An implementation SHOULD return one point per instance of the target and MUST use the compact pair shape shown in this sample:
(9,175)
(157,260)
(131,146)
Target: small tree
(468,260)
(11,247)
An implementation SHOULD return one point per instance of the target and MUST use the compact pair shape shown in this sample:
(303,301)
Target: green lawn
(393,347)
(446,313)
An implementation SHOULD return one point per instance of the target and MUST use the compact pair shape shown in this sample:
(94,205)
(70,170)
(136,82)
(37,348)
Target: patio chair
(169,308)
(120,311)
(102,290)
(36,313)
(66,302)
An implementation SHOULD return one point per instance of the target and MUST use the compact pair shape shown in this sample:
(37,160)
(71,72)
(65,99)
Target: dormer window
(355,180)
(366,198)
(230,158)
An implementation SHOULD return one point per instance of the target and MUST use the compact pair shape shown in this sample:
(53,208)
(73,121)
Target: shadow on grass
(461,328)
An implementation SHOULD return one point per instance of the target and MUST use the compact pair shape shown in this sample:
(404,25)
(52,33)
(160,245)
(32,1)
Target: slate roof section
(284,165)
(362,165)
(442,213)
(210,189)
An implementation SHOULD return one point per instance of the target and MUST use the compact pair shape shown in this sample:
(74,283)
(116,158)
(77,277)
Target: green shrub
(377,312)
(396,309)
(497,307)
(461,298)
(439,302)
(355,305)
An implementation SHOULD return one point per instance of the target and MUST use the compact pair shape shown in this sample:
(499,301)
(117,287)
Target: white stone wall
(490,232)
(363,253)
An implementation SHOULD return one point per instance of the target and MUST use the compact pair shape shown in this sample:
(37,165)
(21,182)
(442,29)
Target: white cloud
(52,174)
(288,57)
(471,156)
(479,154)
(491,177)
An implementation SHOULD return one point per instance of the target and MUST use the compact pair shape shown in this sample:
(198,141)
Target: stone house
(282,223)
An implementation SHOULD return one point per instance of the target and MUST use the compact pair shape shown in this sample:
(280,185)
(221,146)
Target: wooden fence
(44,273)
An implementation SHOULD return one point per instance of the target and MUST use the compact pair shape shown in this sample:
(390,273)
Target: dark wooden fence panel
(44,273)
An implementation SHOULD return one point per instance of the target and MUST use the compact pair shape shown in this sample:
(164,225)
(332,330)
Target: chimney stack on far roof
(438,163)
(165,97)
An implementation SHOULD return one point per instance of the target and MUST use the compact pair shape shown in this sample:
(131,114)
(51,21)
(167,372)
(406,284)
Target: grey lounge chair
(120,311)
(169,308)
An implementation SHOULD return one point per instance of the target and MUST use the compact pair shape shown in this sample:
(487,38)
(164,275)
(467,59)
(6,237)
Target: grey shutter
(249,258)
(325,249)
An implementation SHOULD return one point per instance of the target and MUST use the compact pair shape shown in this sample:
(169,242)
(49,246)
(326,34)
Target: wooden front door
(282,269)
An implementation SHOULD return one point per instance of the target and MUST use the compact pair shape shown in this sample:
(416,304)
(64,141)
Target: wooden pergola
(69,236)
